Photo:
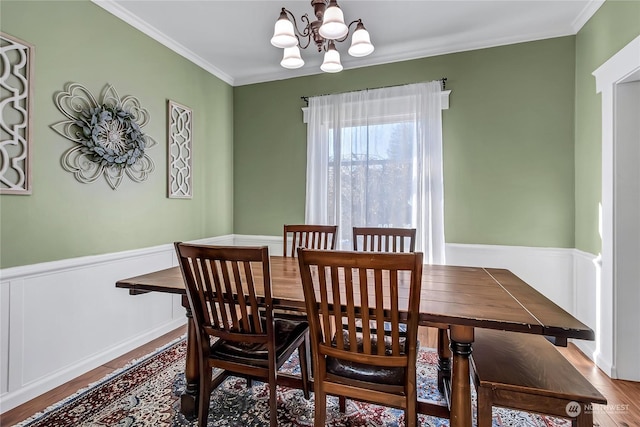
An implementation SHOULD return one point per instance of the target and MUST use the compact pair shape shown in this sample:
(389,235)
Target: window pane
(376,179)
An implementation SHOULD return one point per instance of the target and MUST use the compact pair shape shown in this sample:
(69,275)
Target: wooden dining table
(454,299)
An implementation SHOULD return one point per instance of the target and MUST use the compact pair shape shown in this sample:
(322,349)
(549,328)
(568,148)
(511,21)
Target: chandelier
(325,31)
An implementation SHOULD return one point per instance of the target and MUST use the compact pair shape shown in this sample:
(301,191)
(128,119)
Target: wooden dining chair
(233,314)
(309,236)
(382,239)
(344,290)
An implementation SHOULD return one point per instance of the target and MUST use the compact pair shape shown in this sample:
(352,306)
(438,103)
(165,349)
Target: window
(375,159)
(376,166)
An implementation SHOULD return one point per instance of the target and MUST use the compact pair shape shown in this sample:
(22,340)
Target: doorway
(619,82)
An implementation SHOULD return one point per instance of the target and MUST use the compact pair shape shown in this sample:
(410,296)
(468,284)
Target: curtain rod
(443,83)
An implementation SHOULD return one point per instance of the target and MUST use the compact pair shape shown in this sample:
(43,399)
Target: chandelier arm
(307,28)
(357,21)
(307,44)
(305,33)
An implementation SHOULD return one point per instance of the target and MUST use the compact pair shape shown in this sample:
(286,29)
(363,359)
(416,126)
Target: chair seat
(394,376)
(286,332)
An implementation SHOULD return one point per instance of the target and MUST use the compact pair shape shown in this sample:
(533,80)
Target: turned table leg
(461,339)
(189,399)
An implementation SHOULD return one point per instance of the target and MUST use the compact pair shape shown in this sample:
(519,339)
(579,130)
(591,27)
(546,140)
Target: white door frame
(620,68)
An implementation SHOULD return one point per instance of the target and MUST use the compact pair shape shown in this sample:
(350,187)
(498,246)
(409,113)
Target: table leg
(461,339)
(189,399)
(444,358)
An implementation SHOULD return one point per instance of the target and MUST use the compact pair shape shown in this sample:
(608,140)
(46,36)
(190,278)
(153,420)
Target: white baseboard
(30,391)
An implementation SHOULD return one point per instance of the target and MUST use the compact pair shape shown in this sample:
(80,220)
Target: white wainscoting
(593,310)
(548,270)
(61,319)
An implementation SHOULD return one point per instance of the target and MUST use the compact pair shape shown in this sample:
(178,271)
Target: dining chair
(236,330)
(383,239)
(309,236)
(343,290)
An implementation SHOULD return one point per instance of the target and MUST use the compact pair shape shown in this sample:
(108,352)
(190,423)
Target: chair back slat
(308,236)
(366,318)
(225,297)
(354,302)
(350,309)
(383,239)
(379,310)
(226,294)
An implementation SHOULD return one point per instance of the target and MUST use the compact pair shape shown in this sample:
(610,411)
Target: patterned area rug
(146,393)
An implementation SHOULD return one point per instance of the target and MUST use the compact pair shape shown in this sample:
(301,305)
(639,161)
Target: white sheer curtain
(374,158)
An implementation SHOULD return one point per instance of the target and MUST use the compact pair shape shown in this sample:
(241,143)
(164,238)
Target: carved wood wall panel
(16,99)
(179,136)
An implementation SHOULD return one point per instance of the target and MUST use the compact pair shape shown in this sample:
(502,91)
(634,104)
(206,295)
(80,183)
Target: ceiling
(230,39)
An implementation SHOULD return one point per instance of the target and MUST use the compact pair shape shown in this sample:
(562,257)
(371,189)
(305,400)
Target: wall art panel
(179,136)
(16,99)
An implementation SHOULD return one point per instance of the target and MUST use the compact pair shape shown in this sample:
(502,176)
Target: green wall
(510,139)
(77,41)
(508,143)
(614,25)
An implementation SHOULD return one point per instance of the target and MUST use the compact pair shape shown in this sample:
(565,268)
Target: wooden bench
(525,372)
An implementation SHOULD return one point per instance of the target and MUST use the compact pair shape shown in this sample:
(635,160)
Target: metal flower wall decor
(108,135)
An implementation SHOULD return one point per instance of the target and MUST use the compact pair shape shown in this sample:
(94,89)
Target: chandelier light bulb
(333,26)
(291,58)
(331,63)
(360,42)
(283,35)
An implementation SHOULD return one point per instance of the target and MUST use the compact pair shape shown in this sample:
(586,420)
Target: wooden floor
(31,407)
(623,409)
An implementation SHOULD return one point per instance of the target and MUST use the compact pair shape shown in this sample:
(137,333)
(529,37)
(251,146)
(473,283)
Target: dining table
(454,299)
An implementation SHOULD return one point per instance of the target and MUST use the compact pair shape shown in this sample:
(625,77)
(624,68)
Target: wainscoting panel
(548,270)
(61,319)
(273,242)
(592,310)
(4,337)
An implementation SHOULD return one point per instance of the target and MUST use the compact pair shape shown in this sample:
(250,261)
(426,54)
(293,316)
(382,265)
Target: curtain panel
(374,159)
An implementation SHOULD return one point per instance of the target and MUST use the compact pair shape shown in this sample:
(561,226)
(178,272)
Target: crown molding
(115,9)
(400,53)
(397,53)
(589,10)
